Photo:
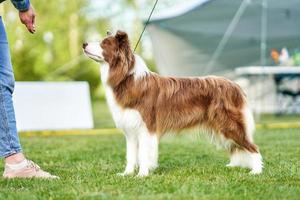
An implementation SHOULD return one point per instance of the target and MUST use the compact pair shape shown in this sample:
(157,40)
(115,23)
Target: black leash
(146,24)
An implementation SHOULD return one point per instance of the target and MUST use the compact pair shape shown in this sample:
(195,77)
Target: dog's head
(109,48)
(116,51)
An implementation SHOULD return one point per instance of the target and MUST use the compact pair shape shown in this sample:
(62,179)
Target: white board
(52,106)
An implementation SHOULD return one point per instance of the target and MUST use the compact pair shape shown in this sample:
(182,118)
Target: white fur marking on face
(94,51)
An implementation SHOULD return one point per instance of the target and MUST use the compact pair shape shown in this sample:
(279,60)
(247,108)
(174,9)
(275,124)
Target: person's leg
(10,147)
(16,165)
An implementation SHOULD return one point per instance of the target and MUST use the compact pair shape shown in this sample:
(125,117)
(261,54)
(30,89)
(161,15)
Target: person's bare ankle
(15,158)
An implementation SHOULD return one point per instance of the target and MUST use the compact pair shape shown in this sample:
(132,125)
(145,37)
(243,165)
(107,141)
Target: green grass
(190,168)
(102,116)
(269,118)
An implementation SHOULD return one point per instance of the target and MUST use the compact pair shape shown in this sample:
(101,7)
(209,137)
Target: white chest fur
(129,120)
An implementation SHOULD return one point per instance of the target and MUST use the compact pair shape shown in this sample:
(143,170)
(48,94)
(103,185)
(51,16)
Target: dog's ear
(108,33)
(122,38)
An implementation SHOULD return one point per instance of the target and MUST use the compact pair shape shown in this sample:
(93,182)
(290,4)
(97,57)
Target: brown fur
(172,104)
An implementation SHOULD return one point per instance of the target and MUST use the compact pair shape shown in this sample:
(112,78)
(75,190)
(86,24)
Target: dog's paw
(231,165)
(255,171)
(129,170)
(153,167)
(143,173)
(125,173)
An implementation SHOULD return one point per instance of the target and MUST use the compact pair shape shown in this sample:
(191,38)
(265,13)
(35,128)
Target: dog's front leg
(131,154)
(147,152)
(153,151)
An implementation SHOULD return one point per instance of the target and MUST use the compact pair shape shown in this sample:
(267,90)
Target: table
(268,70)
(278,73)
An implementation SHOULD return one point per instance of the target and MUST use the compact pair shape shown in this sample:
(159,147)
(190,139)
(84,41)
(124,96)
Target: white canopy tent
(216,36)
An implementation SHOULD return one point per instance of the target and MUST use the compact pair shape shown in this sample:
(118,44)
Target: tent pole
(263,53)
(263,36)
(231,27)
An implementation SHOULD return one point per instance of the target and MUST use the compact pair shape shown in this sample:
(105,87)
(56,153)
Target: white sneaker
(31,170)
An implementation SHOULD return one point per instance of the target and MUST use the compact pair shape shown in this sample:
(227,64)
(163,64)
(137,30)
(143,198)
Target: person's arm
(26,13)
(21,5)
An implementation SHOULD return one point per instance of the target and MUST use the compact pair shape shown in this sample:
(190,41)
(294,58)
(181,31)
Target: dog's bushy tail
(247,141)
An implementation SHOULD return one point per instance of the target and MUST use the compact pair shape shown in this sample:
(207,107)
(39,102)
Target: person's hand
(28,19)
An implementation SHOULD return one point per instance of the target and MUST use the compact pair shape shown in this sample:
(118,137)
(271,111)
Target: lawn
(190,168)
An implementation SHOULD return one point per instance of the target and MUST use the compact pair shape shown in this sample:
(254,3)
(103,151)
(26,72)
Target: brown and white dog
(146,105)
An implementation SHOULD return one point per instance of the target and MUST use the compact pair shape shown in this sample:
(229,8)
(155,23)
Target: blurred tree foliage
(54,51)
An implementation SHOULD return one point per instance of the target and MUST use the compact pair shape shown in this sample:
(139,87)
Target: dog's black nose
(84,45)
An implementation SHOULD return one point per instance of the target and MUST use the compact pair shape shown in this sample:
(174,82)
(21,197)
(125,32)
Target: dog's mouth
(97,58)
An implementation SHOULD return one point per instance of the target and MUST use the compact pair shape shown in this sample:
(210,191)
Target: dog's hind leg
(245,153)
(246,159)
